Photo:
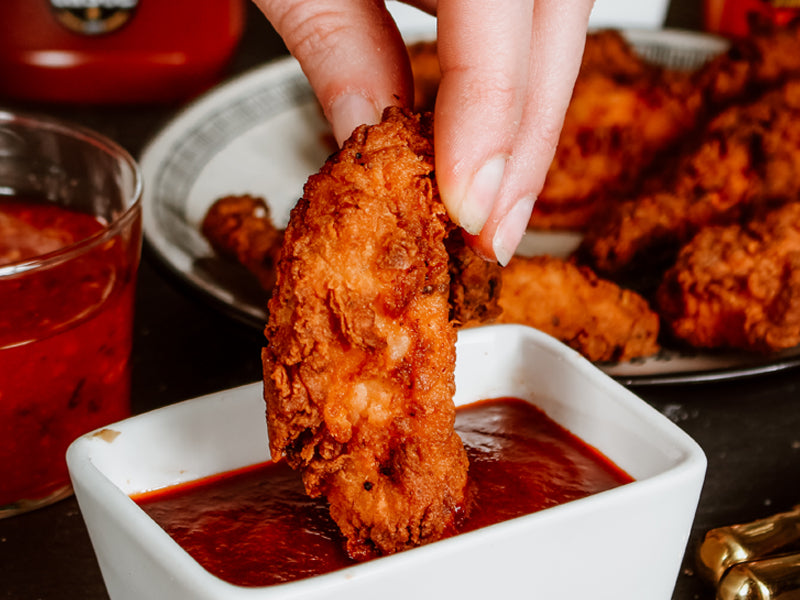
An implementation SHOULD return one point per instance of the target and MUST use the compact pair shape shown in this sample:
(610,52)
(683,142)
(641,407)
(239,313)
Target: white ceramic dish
(626,543)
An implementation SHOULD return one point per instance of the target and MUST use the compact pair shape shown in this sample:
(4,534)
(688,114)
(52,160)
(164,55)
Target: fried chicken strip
(425,69)
(627,115)
(738,286)
(767,57)
(591,315)
(359,365)
(474,284)
(623,113)
(240,228)
(747,156)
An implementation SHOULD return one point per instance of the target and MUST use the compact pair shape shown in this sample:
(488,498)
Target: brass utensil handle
(724,547)
(773,578)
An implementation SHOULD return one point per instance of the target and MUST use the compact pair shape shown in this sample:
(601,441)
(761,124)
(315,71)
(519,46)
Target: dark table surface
(749,429)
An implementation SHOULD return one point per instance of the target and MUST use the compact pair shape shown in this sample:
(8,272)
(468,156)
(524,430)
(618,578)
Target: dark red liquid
(256,526)
(65,340)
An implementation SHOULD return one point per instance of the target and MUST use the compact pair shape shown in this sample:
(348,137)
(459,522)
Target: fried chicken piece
(627,115)
(359,365)
(738,286)
(427,74)
(608,52)
(747,156)
(241,229)
(767,57)
(474,284)
(591,315)
(623,112)
(616,124)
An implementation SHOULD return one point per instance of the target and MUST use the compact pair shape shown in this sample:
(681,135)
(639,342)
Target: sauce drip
(256,527)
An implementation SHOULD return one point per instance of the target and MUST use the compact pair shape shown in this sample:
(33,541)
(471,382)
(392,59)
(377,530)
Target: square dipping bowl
(626,543)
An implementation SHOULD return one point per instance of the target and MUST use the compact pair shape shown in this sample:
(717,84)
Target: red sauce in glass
(256,526)
(65,340)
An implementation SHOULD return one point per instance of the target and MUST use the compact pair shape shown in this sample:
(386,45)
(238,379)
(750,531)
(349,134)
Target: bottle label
(93,17)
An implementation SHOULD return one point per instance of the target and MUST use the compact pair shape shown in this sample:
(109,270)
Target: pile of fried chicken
(660,170)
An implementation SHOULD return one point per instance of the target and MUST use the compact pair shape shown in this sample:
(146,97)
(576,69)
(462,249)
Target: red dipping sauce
(65,340)
(256,526)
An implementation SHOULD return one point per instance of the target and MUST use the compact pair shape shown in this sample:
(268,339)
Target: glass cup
(70,242)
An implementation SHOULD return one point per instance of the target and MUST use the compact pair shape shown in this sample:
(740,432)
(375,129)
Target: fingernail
(511,229)
(348,112)
(481,195)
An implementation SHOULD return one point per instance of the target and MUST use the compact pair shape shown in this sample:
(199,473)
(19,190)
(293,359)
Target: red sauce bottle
(115,51)
(734,17)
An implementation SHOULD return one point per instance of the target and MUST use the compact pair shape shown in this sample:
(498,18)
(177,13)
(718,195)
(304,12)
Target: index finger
(507,78)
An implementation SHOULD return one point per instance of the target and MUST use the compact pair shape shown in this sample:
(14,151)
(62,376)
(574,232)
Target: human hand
(508,69)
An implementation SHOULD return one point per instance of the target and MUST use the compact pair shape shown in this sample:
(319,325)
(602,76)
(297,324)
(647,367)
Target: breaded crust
(596,317)
(359,364)
(738,286)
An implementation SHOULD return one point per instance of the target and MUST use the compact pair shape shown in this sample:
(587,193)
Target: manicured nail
(511,229)
(348,112)
(481,195)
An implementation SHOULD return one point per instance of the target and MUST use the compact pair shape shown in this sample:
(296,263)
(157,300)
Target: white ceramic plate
(623,544)
(263,134)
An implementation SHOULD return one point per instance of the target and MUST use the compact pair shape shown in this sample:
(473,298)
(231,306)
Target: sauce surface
(256,527)
(65,339)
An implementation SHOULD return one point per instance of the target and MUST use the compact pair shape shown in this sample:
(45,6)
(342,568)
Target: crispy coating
(768,56)
(608,52)
(427,74)
(593,316)
(747,156)
(738,286)
(240,228)
(623,113)
(474,284)
(359,365)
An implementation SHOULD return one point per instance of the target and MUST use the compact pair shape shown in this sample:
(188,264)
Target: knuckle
(309,32)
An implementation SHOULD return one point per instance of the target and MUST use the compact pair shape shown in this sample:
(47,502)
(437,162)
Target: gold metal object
(773,578)
(725,547)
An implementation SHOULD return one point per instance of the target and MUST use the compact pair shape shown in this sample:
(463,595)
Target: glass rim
(110,229)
